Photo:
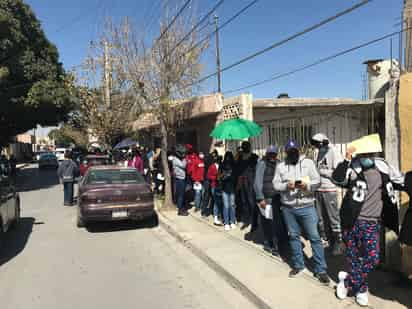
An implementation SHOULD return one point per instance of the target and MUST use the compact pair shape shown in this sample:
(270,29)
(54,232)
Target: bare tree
(159,72)
(96,81)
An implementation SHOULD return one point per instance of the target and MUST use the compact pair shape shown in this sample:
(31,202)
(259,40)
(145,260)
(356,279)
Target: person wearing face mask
(369,203)
(326,160)
(266,196)
(245,169)
(198,171)
(297,179)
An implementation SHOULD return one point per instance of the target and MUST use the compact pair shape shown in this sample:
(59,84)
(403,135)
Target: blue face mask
(366,162)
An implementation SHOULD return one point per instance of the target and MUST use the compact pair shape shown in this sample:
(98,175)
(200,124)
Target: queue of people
(295,198)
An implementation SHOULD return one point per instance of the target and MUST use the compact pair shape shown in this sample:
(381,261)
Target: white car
(60,153)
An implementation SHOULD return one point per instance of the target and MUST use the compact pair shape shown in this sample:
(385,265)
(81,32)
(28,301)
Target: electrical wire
(173,20)
(231,19)
(196,26)
(282,42)
(320,61)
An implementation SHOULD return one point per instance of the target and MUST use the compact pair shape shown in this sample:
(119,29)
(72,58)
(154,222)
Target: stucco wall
(405,118)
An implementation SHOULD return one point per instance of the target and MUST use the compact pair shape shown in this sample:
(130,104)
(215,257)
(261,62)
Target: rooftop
(311,102)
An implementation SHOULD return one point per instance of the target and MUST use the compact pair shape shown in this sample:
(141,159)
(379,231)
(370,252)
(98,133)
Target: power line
(320,61)
(196,26)
(174,19)
(223,25)
(282,42)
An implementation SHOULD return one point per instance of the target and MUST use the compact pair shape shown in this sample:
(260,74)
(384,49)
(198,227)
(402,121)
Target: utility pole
(219,77)
(107,75)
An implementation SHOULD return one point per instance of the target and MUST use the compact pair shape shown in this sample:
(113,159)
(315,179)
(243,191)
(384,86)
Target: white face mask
(201,157)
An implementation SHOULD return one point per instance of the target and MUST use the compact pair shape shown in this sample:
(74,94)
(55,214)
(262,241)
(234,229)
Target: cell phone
(298,182)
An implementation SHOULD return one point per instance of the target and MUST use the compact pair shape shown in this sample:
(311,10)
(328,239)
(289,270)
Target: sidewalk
(259,276)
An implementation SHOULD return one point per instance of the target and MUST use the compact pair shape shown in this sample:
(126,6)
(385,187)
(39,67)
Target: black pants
(68,187)
(207,197)
(249,209)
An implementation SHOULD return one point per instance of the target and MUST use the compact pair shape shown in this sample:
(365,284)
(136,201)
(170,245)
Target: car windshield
(114,176)
(47,157)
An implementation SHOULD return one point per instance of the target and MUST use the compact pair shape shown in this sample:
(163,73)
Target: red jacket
(212,173)
(191,159)
(198,170)
(137,163)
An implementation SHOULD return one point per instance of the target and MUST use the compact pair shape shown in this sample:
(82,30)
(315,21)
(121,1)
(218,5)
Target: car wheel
(18,214)
(152,221)
(2,235)
(80,222)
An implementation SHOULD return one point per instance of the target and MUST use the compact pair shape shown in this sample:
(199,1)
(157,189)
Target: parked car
(92,160)
(9,202)
(48,160)
(40,153)
(113,193)
(59,152)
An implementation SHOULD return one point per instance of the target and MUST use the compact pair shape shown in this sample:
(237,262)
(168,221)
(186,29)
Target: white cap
(320,137)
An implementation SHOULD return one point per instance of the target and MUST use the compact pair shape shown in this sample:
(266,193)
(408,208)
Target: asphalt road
(49,263)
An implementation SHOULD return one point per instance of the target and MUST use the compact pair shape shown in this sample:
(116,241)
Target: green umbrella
(236,129)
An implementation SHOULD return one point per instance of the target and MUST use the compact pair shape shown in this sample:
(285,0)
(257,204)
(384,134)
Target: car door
(4,203)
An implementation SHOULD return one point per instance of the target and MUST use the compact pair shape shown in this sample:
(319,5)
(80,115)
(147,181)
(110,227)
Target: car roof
(97,157)
(111,167)
(47,154)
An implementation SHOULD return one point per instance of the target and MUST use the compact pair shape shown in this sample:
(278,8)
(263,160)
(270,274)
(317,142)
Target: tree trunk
(168,203)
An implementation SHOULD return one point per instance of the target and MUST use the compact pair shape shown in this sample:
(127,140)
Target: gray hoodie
(326,164)
(286,173)
(179,168)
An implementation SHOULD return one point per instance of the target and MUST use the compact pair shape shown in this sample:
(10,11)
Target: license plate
(119,214)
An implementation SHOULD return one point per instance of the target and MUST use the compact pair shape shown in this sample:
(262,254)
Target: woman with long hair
(228,180)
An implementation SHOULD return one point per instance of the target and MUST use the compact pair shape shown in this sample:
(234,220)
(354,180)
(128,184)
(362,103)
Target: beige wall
(405,118)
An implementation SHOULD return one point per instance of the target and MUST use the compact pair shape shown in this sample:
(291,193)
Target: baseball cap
(272,149)
(291,144)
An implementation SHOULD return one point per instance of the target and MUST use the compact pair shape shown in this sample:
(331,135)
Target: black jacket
(349,175)
(68,171)
(405,235)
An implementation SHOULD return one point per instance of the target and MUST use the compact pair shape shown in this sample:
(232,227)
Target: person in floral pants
(362,254)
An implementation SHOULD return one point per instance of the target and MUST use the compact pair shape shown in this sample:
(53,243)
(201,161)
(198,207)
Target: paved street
(49,263)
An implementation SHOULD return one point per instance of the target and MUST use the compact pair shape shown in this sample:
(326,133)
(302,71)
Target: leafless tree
(159,71)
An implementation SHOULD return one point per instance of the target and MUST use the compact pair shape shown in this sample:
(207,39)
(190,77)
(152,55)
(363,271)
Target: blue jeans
(180,187)
(229,215)
(217,202)
(68,192)
(305,218)
(198,198)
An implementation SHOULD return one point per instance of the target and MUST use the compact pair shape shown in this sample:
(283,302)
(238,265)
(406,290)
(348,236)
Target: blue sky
(71,25)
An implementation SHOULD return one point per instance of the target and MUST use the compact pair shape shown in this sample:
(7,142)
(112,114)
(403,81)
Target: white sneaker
(217,221)
(362,299)
(233,226)
(341,290)
(227,227)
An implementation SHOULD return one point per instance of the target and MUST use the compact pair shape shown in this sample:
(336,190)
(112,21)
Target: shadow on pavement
(388,285)
(31,179)
(106,227)
(16,240)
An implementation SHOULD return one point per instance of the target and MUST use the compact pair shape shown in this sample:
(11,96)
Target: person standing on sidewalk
(207,192)
(326,196)
(266,196)
(297,179)
(228,180)
(179,165)
(67,173)
(245,169)
(198,171)
(369,203)
(212,176)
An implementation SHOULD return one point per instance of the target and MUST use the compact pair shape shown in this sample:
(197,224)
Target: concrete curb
(166,224)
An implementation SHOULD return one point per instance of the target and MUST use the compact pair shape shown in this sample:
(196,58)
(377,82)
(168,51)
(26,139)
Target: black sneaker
(294,273)
(323,278)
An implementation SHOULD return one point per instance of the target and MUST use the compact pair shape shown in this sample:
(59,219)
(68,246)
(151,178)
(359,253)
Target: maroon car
(113,193)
